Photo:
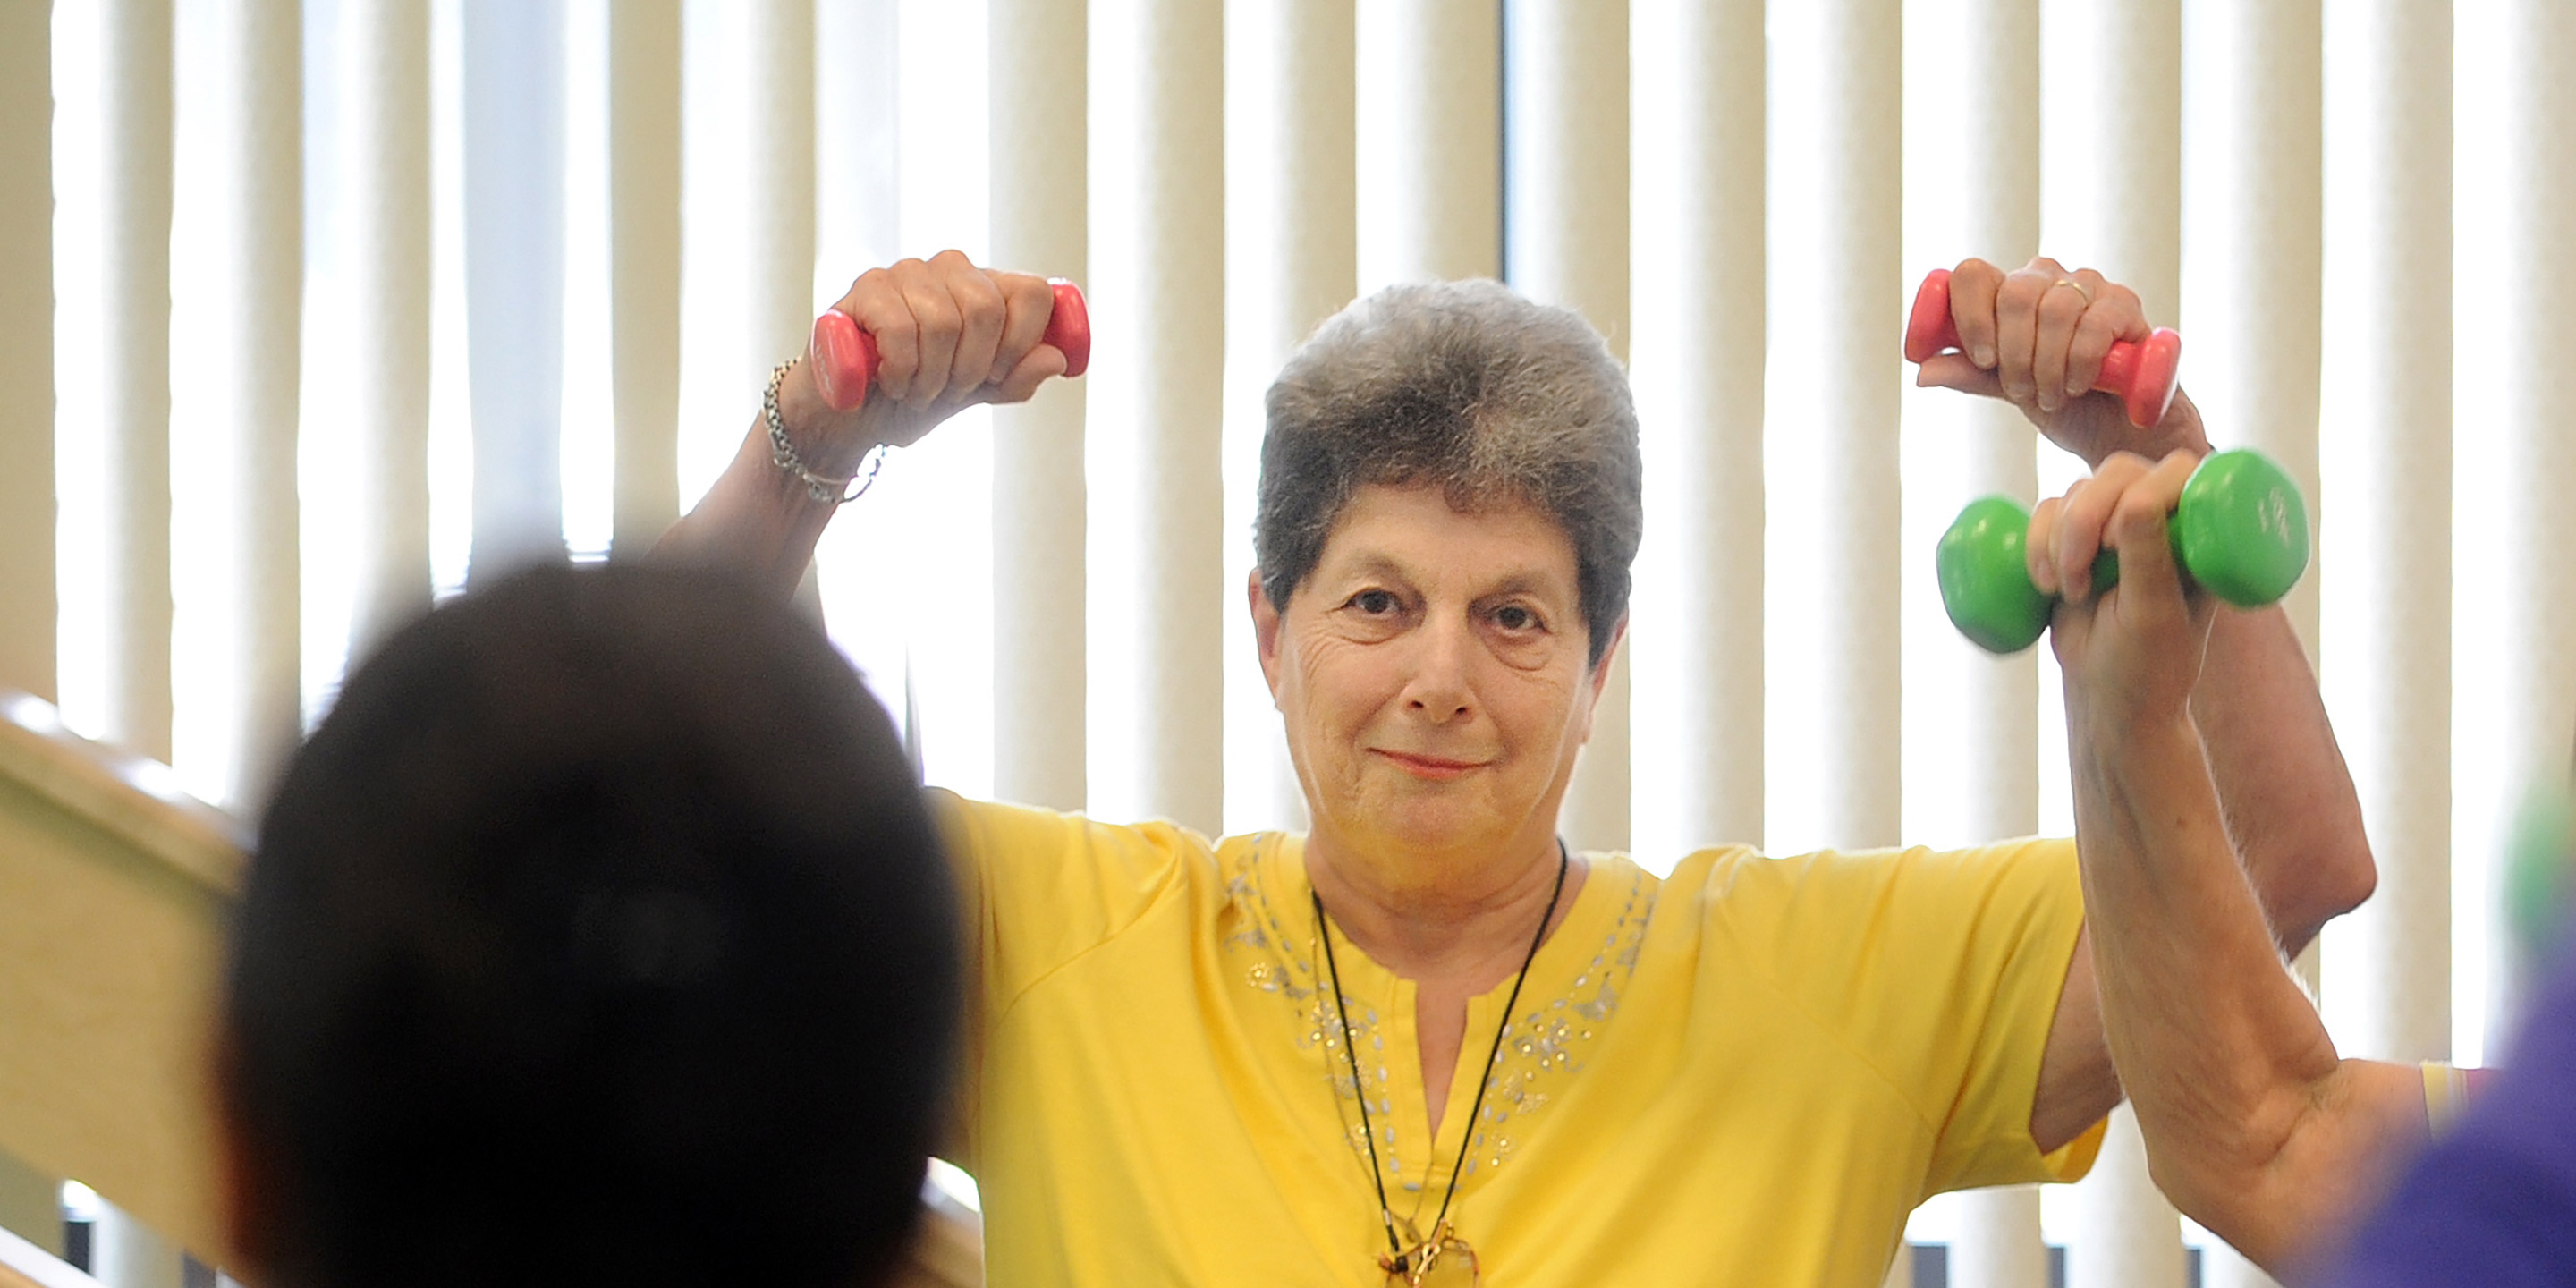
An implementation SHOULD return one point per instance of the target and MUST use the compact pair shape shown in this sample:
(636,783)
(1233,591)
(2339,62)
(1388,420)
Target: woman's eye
(1375,603)
(1513,617)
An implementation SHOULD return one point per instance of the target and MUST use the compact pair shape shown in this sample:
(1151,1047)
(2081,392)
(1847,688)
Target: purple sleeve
(2494,1203)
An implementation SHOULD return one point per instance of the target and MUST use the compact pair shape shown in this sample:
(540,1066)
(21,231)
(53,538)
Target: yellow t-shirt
(1747,1073)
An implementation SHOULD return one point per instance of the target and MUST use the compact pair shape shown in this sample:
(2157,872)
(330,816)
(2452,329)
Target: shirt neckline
(1375,990)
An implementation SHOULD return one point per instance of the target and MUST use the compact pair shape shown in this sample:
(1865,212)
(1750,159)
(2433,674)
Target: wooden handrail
(132,797)
(114,888)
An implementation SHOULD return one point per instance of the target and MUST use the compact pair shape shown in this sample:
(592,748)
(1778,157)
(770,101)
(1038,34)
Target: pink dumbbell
(2141,373)
(845,357)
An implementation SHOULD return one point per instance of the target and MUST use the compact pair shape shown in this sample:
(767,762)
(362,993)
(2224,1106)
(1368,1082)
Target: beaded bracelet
(783,453)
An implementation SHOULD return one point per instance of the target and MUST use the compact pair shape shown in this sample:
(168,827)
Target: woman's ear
(1265,631)
(1600,678)
(1609,655)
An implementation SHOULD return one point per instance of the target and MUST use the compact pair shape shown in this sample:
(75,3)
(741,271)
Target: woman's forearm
(2284,791)
(2286,795)
(2217,1045)
(758,519)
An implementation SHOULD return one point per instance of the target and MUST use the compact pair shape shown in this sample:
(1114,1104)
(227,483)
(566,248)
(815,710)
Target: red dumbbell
(2141,373)
(845,357)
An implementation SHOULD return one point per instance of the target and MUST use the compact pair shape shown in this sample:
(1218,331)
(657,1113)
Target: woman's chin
(1437,825)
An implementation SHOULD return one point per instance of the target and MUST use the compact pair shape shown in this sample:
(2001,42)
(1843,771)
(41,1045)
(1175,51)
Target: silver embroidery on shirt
(1542,1046)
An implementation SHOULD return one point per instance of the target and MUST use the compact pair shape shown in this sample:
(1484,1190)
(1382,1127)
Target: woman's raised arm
(2253,1125)
(949,335)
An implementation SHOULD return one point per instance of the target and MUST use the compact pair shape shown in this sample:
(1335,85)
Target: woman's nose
(1438,686)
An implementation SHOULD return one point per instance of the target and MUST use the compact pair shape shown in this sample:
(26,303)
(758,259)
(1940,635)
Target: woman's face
(1432,676)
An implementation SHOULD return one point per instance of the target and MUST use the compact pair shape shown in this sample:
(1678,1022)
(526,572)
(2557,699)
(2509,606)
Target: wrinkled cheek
(1320,766)
(1343,770)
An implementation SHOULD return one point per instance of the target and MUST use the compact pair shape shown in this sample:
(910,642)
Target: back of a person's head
(598,936)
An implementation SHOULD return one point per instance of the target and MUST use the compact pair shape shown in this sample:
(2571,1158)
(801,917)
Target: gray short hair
(1470,388)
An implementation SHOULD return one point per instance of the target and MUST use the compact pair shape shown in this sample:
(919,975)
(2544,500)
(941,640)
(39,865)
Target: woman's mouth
(1438,768)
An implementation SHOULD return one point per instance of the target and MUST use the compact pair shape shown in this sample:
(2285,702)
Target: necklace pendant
(1441,1261)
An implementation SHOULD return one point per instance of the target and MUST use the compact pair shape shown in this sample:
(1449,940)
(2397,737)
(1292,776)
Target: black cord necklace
(1397,1254)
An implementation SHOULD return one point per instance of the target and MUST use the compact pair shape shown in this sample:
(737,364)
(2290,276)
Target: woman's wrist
(2181,430)
(2136,759)
(828,442)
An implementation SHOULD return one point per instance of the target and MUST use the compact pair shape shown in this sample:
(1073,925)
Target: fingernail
(2048,400)
(1984,356)
(2076,388)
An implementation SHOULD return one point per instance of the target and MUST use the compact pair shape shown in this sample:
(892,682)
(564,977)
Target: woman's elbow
(2236,1209)
(2352,874)
(2335,880)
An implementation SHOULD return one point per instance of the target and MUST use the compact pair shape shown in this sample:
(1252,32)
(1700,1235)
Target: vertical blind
(340,298)
(1972,187)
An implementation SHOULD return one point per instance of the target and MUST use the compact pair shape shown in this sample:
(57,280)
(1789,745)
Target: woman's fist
(2134,651)
(2036,337)
(948,335)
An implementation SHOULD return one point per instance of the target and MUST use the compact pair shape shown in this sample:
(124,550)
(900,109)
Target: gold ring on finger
(2079,287)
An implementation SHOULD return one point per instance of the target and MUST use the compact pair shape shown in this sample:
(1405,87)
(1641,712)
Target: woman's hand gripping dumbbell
(2240,531)
(846,359)
(2142,374)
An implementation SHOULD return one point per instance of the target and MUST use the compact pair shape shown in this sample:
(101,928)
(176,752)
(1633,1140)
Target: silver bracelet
(783,453)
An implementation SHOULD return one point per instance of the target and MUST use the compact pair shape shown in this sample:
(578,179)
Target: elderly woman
(1426,1041)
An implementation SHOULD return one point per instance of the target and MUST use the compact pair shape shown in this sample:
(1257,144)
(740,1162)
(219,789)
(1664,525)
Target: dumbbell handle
(2240,530)
(2141,373)
(845,356)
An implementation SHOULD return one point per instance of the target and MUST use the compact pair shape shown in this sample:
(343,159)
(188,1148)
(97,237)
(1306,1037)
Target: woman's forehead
(1417,533)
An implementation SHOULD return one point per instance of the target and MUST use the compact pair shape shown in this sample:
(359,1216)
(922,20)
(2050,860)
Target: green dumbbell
(2240,531)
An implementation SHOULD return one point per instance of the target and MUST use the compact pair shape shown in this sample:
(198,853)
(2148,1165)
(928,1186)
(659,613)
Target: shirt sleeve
(1035,890)
(2446,1095)
(1941,969)
(2493,1202)
(1039,888)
